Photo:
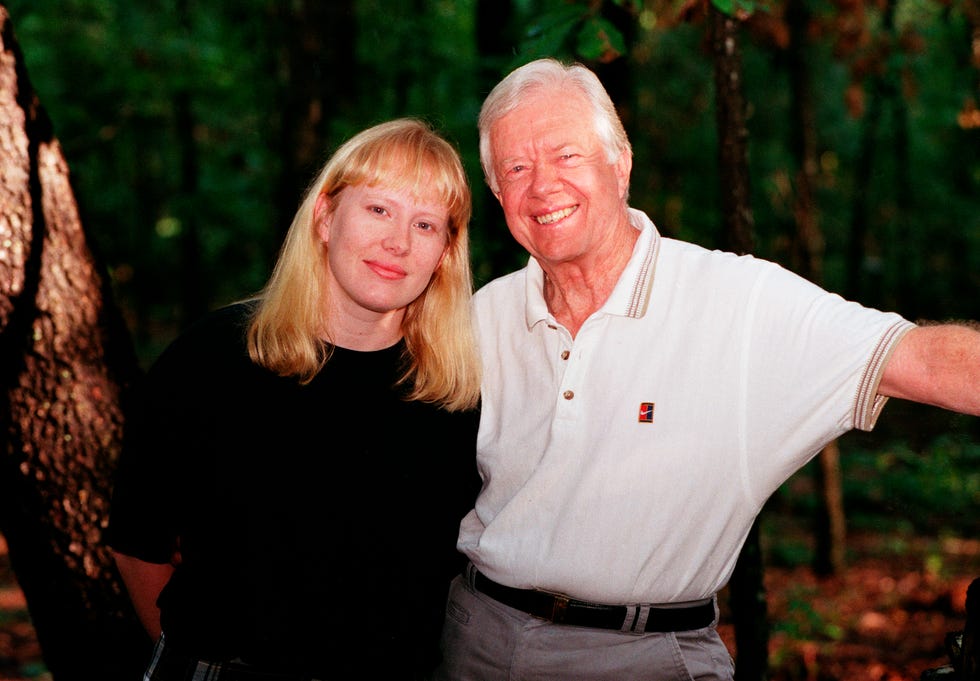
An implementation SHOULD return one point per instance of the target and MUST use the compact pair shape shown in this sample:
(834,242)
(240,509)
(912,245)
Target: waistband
(168,664)
(560,609)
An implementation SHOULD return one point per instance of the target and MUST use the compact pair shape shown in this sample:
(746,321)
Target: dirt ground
(885,619)
(20,654)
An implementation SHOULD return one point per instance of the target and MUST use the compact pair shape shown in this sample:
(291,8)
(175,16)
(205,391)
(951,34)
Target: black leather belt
(563,610)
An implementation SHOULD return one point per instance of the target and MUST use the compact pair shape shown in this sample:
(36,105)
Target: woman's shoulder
(211,340)
(231,318)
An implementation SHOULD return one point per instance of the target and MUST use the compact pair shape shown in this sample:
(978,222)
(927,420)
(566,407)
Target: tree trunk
(496,43)
(829,558)
(318,83)
(858,286)
(908,249)
(747,587)
(807,260)
(66,361)
(808,246)
(733,134)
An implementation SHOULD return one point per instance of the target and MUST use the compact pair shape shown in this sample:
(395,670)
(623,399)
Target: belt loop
(640,622)
(471,574)
(629,622)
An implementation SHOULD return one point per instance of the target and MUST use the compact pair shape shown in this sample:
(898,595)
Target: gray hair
(551,73)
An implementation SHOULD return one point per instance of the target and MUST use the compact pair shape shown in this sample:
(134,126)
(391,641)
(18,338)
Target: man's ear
(623,168)
(494,190)
(322,217)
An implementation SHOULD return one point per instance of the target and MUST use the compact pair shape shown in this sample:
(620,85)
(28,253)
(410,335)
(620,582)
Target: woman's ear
(322,216)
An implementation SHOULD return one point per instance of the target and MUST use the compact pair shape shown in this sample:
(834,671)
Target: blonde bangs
(415,163)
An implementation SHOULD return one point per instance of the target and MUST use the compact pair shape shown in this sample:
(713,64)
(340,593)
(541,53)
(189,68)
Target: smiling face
(561,197)
(383,246)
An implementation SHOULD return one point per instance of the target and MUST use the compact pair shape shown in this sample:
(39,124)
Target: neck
(366,332)
(573,291)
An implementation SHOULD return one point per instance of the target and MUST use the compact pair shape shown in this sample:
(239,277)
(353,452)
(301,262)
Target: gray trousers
(484,640)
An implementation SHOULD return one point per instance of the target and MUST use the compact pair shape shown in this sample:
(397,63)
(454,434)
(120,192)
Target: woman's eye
(378,210)
(425,226)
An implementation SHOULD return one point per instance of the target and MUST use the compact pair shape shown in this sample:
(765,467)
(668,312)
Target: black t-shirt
(317,523)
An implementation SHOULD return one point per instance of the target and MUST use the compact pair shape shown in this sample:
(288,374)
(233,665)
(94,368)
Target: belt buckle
(558,608)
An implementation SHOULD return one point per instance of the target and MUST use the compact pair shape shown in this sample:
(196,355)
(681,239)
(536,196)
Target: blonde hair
(286,331)
(552,74)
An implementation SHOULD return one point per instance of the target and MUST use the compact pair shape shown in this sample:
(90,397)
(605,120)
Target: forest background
(192,128)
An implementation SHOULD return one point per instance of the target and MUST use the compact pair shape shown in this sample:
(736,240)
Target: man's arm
(937,365)
(144,582)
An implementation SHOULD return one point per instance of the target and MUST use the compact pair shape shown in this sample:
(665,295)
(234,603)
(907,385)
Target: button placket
(567,394)
(569,370)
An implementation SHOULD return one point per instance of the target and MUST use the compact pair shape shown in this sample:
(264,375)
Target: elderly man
(642,398)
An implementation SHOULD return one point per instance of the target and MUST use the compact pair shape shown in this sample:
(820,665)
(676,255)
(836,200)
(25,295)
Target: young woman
(297,465)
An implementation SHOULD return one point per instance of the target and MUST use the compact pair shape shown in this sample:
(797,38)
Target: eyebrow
(511,159)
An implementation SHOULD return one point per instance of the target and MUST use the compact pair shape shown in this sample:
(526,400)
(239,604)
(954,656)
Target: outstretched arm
(937,365)
(144,582)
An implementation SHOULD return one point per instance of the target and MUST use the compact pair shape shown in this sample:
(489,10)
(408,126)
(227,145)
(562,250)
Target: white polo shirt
(627,465)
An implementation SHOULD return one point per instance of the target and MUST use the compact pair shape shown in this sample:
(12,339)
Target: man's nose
(545,178)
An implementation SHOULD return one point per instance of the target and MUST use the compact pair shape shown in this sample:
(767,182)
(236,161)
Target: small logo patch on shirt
(646,412)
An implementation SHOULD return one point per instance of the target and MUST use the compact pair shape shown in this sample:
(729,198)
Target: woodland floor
(883,620)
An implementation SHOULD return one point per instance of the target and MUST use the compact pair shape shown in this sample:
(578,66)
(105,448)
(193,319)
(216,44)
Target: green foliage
(933,490)
(600,40)
(803,620)
(735,8)
(110,75)
(551,32)
(789,552)
(895,485)
(113,75)
(890,490)
(571,30)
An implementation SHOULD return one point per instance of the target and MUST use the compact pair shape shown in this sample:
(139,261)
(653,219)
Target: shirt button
(568,394)
(564,354)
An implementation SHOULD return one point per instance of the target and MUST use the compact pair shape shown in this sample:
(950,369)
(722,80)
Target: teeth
(556,216)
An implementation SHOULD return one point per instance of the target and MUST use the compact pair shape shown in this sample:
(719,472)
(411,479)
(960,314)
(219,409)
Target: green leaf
(551,34)
(735,8)
(724,6)
(560,19)
(600,40)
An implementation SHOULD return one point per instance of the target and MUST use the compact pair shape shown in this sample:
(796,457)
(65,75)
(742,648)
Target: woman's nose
(397,240)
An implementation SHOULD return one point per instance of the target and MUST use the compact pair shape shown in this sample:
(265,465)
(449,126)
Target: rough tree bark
(65,363)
